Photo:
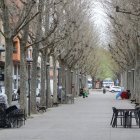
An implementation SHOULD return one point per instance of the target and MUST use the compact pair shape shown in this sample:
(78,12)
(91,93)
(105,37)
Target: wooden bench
(40,108)
(133,100)
(55,104)
(137,104)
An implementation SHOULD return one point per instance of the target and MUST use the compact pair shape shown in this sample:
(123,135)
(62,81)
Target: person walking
(104,90)
(85,93)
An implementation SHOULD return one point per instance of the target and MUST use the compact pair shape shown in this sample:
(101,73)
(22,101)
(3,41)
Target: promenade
(87,119)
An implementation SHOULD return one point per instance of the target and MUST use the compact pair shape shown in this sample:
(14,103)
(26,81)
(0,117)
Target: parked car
(115,89)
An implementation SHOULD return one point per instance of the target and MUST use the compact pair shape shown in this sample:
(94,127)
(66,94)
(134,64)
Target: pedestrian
(85,93)
(118,95)
(104,90)
(129,94)
(81,92)
(124,95)
(3,99)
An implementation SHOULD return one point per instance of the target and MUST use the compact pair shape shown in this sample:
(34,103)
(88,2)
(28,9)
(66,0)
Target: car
(115,89)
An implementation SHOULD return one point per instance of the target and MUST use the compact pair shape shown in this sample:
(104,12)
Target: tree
(14,18)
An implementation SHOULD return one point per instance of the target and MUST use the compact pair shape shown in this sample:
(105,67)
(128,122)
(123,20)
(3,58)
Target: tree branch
(27,22)
(2,33)
(23,18)
(126,12)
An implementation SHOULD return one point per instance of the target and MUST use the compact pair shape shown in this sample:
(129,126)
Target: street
(87,119)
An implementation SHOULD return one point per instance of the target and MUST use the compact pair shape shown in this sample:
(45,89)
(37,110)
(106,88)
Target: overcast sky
(100,21)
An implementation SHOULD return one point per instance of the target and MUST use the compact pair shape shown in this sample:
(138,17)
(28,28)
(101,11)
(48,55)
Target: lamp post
(59,84)
(133,76)
(65,85)
(29,61)
(72,86)
(71,81)
(47,83)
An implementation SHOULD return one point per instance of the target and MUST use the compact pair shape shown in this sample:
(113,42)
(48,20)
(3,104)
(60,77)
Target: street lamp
(65,85)
(47,83)
(71,81)
(72,85)
(133,74)
(29,61)
(118,9)
(59,84)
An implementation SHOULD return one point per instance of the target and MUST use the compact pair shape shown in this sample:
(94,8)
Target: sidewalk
(87,119)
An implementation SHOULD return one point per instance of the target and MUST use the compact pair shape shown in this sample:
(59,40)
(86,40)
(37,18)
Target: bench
(137,104)
(12,117)
(133,100)
(40,108)
(17,117)
(55,104)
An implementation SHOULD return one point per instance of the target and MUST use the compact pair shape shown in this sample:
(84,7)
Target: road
(87,119)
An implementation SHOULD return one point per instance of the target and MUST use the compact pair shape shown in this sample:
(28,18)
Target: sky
(100,21)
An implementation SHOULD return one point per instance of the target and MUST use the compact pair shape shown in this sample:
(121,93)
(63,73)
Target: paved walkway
(87,119)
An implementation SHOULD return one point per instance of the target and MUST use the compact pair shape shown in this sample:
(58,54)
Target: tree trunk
(74,83)
(77,84)
(93,79)
(48,93)
(54,81)
(68,82)
(137,68)
(34,79)
(8,79)
(35,58)
(43,80)
(137,80)
(8,69)
(62,80)
(23,70)
(23,75)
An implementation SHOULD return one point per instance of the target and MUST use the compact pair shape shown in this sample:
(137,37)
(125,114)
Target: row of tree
(62,29)
(123,19)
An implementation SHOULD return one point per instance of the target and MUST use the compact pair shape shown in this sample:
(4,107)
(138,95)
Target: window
(15,70)
(14,47)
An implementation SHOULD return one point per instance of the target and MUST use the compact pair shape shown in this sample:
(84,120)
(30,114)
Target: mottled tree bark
(43,80)
(54,81)
(8,79)
(23,70)
(48,92)
(35,58)
(8,68)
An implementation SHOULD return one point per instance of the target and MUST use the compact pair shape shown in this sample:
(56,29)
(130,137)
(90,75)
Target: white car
(115,89)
